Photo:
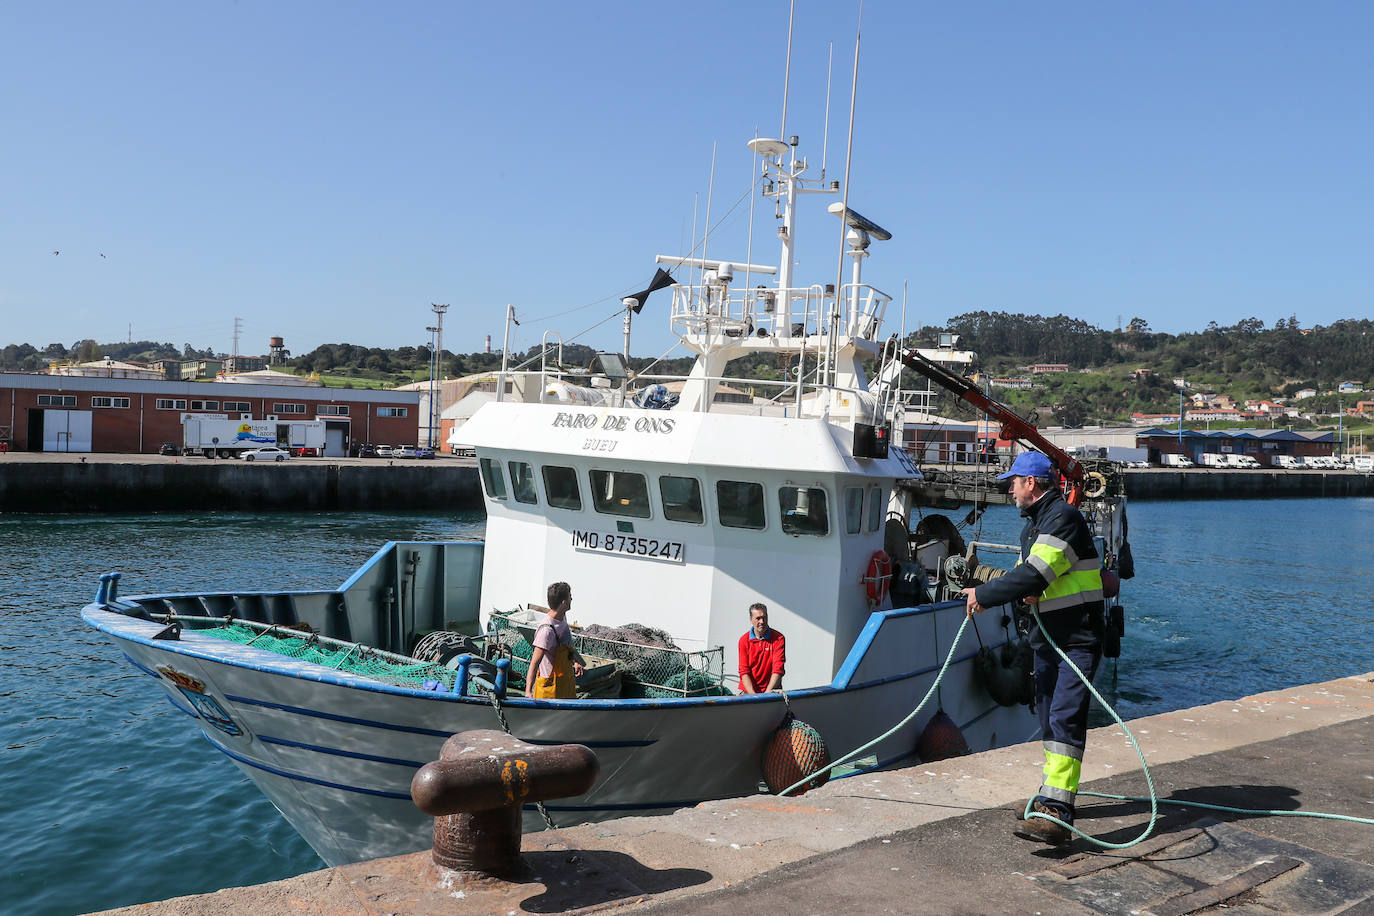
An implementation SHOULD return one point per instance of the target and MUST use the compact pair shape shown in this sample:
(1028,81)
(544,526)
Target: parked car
(305,452)
(384,451)
(169,448)
(405,451)
(424,452)
(266,453)
(366,450)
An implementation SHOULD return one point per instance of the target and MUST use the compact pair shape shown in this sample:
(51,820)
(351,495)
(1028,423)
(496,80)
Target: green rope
(1153,798)
(894,729)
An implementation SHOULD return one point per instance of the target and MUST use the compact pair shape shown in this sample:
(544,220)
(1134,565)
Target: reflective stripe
(1077,587)
(1043,568)
(1061,773)
(1077,599)
(1058,544)
(1058,795)
(1050,554)
(1063,750)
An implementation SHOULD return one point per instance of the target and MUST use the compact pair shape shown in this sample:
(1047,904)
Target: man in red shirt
(762,652)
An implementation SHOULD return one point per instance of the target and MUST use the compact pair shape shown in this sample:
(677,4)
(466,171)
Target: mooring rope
(1153,798)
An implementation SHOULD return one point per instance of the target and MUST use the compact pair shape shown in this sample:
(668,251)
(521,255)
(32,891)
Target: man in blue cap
(1060,572)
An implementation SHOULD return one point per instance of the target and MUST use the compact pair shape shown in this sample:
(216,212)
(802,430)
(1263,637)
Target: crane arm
(1013,426)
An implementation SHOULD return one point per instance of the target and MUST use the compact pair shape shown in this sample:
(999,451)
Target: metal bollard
(478,786)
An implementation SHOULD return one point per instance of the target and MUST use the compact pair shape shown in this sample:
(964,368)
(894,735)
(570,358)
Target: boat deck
(937,838)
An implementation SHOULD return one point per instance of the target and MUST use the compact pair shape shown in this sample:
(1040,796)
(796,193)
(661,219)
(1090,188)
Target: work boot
(1039,830)
(1021,808)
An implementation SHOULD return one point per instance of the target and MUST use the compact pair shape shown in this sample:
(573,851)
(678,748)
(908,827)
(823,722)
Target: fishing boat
(670,509)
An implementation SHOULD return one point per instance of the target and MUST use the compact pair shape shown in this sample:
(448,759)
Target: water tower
(277,352)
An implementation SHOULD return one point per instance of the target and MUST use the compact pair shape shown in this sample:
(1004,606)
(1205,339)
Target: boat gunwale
(286,666)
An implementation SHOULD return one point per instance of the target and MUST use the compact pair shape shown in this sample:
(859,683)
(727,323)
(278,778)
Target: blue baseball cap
(1028,464)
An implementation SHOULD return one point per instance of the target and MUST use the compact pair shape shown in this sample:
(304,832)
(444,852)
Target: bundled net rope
(353,659)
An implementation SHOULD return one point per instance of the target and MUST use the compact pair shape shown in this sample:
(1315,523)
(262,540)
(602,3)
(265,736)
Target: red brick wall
(142,427)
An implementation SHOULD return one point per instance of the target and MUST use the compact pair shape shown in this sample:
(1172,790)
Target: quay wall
(75,486)
(1199,483)
(109,483)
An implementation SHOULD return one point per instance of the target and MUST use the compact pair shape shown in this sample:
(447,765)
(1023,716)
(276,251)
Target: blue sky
(325,171)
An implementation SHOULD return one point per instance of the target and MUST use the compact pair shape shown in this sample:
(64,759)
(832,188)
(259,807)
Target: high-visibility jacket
(1059,563)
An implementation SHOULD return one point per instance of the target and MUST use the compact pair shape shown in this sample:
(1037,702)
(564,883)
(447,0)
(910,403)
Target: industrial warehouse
(120,412)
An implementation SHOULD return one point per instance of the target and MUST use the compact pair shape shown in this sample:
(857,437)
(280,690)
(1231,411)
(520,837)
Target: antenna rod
(787,70)
(710,192)
(825,138)
(844,223)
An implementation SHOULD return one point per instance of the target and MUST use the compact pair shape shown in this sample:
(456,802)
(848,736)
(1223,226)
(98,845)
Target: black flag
(661,279)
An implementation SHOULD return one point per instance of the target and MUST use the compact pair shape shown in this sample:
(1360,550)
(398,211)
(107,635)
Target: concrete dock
(936,838)
(102,482)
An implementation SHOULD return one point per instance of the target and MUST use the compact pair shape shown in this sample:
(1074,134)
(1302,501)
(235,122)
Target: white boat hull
(335,752)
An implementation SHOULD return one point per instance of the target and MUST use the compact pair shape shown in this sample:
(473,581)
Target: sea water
(111,797)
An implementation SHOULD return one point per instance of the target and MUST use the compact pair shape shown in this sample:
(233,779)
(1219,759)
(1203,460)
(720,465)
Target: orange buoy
(941,739)
(794,750)
(878,577)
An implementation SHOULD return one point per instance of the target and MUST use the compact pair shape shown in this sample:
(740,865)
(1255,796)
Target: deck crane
(1013,426)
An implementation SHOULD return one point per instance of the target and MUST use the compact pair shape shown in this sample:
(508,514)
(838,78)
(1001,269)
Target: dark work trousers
(1062,700)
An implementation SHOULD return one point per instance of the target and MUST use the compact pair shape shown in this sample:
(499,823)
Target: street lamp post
(429,420)
(436,360)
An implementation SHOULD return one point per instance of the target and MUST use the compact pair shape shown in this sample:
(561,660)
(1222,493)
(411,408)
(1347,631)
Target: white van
(1214,460)
(1177,461)
(1362,463)
(1290,462)
(1242,461)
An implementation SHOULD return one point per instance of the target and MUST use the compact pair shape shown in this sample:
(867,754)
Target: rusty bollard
(476,790)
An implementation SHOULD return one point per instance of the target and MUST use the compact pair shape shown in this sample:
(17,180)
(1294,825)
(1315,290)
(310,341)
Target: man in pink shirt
(762,654)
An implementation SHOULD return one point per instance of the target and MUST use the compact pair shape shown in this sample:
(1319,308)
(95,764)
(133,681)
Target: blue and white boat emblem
(207,706)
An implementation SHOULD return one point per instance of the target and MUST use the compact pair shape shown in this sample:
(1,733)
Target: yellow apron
(562,683)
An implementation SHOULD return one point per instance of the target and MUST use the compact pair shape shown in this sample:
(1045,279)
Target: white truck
(1290,462)
(1177,461)
(1363,463)
(1215,460)
(218,436)
(1242,461)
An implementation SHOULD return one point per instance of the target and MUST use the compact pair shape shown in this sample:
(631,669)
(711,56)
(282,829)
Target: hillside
(1112,373)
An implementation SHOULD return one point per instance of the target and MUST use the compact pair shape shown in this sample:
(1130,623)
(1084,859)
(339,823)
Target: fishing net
(354,659)
(650,666)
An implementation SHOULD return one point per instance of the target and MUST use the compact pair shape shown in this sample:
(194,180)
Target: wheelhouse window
(620,493)
(560,486)
(522,483)
(875,508)
(681,499)
(804,511)
(740,503)
(853,510)
(491,478)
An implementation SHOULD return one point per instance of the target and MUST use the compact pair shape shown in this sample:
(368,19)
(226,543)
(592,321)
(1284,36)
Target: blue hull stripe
(234,755)
(140,666)
(411,764)
(408,729)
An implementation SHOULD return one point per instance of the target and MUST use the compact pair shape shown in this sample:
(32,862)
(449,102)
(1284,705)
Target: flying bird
(102,254)
(57,252)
